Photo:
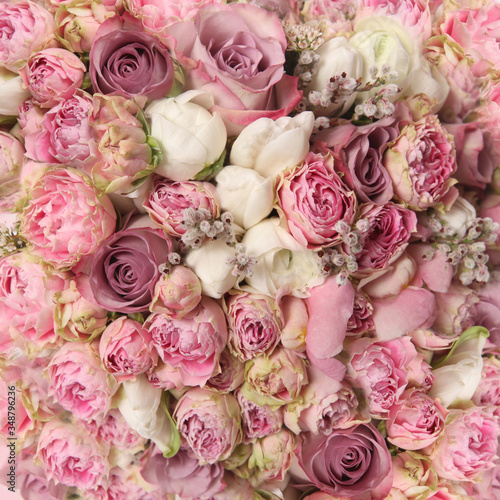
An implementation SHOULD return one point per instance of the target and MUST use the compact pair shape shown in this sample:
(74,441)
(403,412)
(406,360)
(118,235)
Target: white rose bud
(459,217)
(12,94)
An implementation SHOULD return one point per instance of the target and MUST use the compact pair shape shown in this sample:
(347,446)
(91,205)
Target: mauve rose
(210,424)
(349,463)
(168,200)
(313,198)
(126,61)
(125,269)
(79,383)
(11,162)
(53,75)
(72,457)
(65,219)
(486,312)
(125,349)
(25,28)
(242,66)
(183,475)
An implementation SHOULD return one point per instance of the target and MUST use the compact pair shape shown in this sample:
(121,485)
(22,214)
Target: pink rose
(168,200)
(241,66)
(11,162)
(125,350)
(72,457)
(339,13)
(25,28)
(191,345)
(33,482)
(124,483)
(210,424)
(351,463)
(29,118)
(486,312)
(312,219)
(488,390)
(230,374)
(65,219)
(115,431)
(490,207)
(79,383)
(53,75)
(361,320)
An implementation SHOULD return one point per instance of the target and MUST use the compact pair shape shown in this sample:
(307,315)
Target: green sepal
(156,152)
(136,317)
(175,438)
(208,173)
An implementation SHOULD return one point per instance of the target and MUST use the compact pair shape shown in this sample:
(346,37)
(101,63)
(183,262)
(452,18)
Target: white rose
(282,262)
(12,93)
(269,146)
(459,217)
(246,194)
(191,137)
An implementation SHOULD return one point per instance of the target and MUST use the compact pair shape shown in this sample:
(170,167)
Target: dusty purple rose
(126,61)
(125,269)
(347,463)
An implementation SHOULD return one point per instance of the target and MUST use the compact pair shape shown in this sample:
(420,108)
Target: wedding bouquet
(248,249)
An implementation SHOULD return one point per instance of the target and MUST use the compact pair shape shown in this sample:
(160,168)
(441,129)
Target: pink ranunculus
(25,28)
(168,200)
(415,421)
(125,349)
(468,445)
(230,374)
(65,219)
(11,162)
(312,198)
(254,324)
(192,345)
(79,383)
(210,424)
(421,162)
(125,60)
(242,65)
(72,457)
(125,269)
(352,463)
(183,475)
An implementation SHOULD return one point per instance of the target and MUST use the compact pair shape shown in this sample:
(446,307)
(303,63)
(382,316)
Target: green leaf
(208,173)
(175,437)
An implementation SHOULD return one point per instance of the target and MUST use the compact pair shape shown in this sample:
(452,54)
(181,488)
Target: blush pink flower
(488,390)
(116,432)
(230,374)
(11,162)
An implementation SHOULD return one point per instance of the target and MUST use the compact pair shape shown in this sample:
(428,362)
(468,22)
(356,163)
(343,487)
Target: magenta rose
(237,53)
(65,219)
(348,463)
(124,60)
(183,475)
(125,269)
(125,351)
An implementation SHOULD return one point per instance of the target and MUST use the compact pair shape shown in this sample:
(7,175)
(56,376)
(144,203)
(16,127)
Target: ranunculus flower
(125,349)
(79,383)
(421,162)
(124,60)
(65,219)
(12,93)
(168,200)
(269,146)
(11,162)
(53,75)
(73,457)
(347,463)
(183,475)
(192,344)
(191,137)
(125,269)
(210,423)
(312,198)
(25,28)
(254,324)
(242,66)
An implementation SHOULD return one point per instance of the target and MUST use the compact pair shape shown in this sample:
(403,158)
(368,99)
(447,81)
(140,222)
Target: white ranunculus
(458,378)
(282,262)
(269,146)
(210,264)
(246,194)
(459,217)
(12,93)
(190,136)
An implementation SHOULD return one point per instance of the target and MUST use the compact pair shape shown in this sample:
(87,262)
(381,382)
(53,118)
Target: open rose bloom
(249,250)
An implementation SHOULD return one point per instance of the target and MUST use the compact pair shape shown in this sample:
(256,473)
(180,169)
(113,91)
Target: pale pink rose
(339,13)
(125,349)
(295,318)
(116,432)
(488,390)
(165,377)
(361,320)
(310,218)
(25,28)
(52,76)
(210,424)
(490,207)
(79,383)
(230,374)
(11,162)
(29,118)
(34,484)
(468,445)
(254,324)
(486,312)
(415,421)
(242,66)
(192,345)
(72,457)
(168,200)
(65,135)
(124,483)
(176,293)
